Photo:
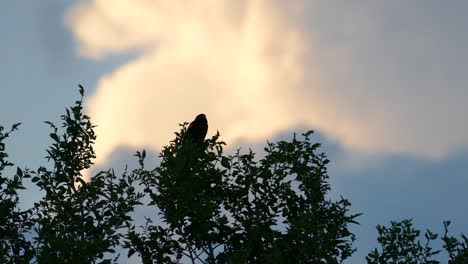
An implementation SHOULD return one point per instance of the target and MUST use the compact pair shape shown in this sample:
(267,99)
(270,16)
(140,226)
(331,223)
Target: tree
(456,249)
(207,207)
(79,221)
(14,223)
(400,244)
(234,209)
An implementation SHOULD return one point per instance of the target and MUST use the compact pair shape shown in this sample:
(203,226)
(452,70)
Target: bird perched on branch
(196,131)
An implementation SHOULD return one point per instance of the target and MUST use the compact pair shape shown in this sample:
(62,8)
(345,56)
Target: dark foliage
(400,244)
(212,208)
(457,249)
(14,223)
(79,221)
(218,209)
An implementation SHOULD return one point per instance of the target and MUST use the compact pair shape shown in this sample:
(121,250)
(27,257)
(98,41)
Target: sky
(383,84)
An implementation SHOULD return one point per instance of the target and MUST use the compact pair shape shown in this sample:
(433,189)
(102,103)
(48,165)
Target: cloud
(395,63)
(254,67)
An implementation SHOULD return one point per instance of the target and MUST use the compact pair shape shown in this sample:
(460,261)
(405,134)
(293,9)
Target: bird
(196,131)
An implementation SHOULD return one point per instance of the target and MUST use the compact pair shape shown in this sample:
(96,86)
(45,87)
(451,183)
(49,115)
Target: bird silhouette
(196,131)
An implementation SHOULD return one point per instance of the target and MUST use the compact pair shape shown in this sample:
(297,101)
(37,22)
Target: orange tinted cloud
(222,58)
(248,65)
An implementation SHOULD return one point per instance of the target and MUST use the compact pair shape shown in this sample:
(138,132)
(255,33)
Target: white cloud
(254,67)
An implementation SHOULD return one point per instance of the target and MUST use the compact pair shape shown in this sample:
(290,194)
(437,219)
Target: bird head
(201,117)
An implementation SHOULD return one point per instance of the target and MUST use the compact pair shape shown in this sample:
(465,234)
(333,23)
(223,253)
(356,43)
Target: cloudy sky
(383,83)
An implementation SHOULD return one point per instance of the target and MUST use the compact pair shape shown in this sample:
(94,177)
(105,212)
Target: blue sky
(382,83)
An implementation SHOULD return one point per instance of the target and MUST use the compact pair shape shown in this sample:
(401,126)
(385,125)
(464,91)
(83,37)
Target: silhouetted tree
(457,249)
(14,223)
(212,208)
(234,209)
(78,221)
(400,244)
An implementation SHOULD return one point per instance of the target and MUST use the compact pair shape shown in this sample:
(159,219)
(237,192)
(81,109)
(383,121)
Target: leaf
(15,126)
(19,172)
(225,162)
(81,89)
(54,137)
